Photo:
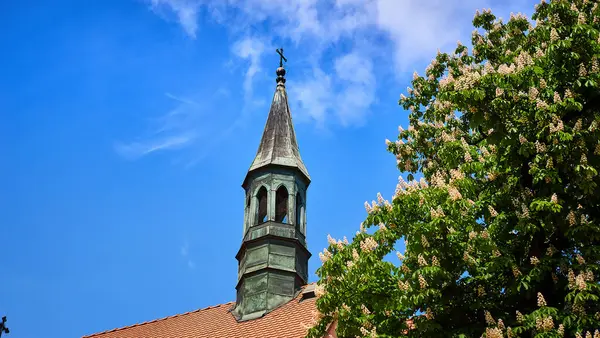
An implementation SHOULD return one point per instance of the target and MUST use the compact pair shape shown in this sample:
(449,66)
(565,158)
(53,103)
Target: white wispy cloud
(311,97)
(138,149)
(346,93)
(186,13)
(410,31)
(173,130)
(181,99)
(250,49)
(359,93)
(184,251)
(188,125)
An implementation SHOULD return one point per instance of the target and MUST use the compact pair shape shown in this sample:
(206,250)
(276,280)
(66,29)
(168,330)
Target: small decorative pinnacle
(281,71)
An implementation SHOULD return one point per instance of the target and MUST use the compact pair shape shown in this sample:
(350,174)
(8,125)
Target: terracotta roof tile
(288,321)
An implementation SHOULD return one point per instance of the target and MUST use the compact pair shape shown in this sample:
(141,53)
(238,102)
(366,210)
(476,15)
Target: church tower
(273,257)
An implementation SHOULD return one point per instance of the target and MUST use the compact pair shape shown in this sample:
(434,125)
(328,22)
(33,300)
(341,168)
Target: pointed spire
(274,217)
(278,145)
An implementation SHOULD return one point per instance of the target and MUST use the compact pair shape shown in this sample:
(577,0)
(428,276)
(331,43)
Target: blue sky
(127,128)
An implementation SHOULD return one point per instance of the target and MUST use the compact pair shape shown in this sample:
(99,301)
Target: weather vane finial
(281,57)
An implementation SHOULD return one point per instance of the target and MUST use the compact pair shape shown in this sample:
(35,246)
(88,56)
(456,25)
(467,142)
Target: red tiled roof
(288,321)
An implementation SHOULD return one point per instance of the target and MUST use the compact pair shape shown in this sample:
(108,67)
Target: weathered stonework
(273,257)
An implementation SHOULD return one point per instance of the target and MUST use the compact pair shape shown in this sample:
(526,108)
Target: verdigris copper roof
(278,145)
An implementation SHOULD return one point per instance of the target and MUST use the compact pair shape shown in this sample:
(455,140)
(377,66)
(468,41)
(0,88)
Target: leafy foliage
(503,231)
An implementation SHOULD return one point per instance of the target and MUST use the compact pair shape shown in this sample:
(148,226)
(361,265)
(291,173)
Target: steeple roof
(278,145)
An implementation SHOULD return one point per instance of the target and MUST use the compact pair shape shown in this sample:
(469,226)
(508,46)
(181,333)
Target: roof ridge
(158,320)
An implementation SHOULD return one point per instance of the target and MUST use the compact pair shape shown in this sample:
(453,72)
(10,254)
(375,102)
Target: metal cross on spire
(3,328)
(281,57)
